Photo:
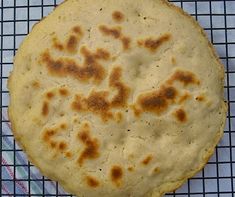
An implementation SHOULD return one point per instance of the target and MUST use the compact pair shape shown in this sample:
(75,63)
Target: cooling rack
(21,178)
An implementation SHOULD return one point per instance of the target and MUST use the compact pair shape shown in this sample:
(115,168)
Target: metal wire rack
(20,178)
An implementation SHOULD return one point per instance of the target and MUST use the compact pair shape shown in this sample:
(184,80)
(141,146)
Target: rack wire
(21,178)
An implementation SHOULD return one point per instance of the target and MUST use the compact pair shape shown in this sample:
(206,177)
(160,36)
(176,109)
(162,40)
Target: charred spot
(45,108)
(118,16)
(185,77)
(50,95)
(114,32)
(92,182)
(119,100)
(63,92)
(147,160)
(72,44)
(180,115)
(116,175)
(91,147)
(153,44)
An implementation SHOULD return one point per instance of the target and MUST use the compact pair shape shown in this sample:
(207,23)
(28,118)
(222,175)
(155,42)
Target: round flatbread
(117,98)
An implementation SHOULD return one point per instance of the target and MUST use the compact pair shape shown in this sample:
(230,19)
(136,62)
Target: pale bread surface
(117,98)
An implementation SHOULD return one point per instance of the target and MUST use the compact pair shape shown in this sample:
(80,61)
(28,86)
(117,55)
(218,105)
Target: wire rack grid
(20,178)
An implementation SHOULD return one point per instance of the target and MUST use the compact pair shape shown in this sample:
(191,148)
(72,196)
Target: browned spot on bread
(53,144)
(118,16)
(185,77)
(63,126)
(130,169)
(126,42)
(63,146)
(68,154)
(77,30)
(91,66)
(63,92)
(98,102)
(147,160)
(71,43)
(118,116)
(156,170)
(91,146)
(92,182)
(169,92)
(75,120)
(116,33)
(48,134)
(120,99)
(200,98)
(35,84)
(157,101)
(45,108)
(50,138)
(50,95)
(116,175)
(136,110)
(91,69)
(173,60)
(57,44)
(184,97)
(101,54)
(180,115)
(153,102)
(153,44)
(77,104)
(91,58)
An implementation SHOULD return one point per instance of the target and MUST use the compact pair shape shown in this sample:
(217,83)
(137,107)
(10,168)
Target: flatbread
(117,98)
